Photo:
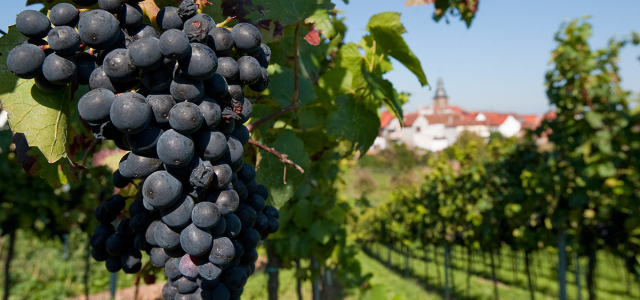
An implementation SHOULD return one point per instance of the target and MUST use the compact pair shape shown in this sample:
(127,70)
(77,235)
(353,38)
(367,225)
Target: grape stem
(93,144)
(296,87)
(282,157)
(151,9)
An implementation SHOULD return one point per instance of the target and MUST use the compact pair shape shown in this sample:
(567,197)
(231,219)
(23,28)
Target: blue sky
(497,64)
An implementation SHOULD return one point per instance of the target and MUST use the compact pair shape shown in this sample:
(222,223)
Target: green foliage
(466,9)
(396,158)
(584,183)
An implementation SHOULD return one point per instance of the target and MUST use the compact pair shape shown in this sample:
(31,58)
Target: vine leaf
(386,30)
(383,90)
(281,87)
(354,122)
(42,117)
(322,22)
(34,163)
(272,170)
(288,11)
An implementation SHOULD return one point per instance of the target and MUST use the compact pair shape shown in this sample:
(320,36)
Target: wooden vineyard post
(447,293)
(493,276)
(389,257)
(113,284)
(435,261)
(468,271)
(407,271)
(562,265)
(527,264)
(7,265)
(576,258)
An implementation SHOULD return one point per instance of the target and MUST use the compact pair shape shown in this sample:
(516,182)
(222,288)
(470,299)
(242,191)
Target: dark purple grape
(166,237)
(168,18)
(226,200)
(184,89)
(249,70)
(197,28)
(64,14)
(145,141)
(210,144)
(187,266)
(98,29)
(33,24)
(221,41)
(161,104)
(112,6)
(195,241)
(130,113)
(247,37)
(131,17)
(211,112)
(119,66)
(179,214)
(174,44)
(64,40)
(158,80)
(222,251)
(146,54)
(59,69)
(216,87)
(161,189)
(86,64)
(185,118)
(95,106)
(200,64)
(174,149)
(25,61)
(205,215)
(158,257)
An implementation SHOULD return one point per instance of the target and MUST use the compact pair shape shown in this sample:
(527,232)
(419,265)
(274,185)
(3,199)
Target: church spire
(440,100)
(440,91)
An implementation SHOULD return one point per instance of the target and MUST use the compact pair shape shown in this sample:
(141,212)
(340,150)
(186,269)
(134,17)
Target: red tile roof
(467,123)
(410,118)
(442,119)
(385,119)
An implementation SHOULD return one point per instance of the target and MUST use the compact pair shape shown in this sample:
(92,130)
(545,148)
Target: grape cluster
(174,99)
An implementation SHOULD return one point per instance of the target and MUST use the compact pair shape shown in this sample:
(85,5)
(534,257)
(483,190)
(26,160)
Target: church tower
(440,100)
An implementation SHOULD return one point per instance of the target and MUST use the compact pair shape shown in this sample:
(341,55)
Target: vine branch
(282,157)
(296,87)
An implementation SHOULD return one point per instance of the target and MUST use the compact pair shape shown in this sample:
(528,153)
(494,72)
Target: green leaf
(383,90)
(320,232)
(281,87)
(288,11)
(42,117)
(606,169)
(34,162)
(392,43)
(594,119)
(388,20)
(323,22)
(272,170)
(354,122)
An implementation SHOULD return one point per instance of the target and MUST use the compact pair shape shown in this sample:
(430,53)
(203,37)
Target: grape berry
(175,100)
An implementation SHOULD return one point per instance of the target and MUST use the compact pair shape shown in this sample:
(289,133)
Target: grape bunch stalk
(174,99)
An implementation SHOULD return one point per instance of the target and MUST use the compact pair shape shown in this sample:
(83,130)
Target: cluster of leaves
(466,9)
(583,181)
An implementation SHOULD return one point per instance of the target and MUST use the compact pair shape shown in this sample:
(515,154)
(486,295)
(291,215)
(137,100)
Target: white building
(438,127)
